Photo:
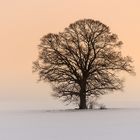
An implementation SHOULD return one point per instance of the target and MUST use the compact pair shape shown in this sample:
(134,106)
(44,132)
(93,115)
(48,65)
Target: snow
(110,124)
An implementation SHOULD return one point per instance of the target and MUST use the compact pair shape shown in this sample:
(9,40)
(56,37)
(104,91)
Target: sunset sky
(24,22)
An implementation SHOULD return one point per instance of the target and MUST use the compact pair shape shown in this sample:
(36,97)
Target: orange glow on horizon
(24,22)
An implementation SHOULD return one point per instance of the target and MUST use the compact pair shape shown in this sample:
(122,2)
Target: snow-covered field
(111,124)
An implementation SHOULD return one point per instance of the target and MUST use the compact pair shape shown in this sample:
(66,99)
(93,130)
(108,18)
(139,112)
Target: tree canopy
(82,62)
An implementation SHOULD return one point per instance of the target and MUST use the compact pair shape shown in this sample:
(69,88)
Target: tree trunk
(82,102)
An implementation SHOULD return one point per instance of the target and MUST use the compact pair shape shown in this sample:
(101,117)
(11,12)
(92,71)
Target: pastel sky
(24,22)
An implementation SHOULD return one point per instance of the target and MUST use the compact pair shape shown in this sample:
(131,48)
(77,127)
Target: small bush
(102,107)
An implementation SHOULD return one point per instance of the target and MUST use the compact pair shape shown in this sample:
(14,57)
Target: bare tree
(83,61)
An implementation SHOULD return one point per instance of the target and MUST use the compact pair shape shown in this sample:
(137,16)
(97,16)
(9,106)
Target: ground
(110,124)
